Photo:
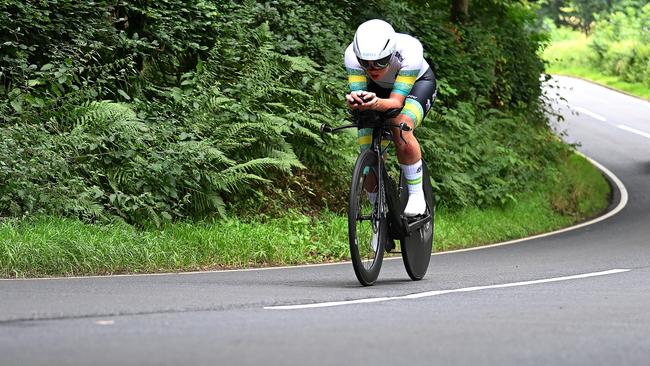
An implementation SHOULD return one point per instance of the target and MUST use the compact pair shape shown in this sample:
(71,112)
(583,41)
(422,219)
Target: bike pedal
(414,222)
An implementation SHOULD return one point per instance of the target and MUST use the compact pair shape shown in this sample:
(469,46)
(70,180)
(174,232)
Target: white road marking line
(105,322)
(634,130)
(619,207)
(442,292)
(590,113)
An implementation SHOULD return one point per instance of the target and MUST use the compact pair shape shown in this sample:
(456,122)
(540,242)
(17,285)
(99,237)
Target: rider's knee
(403,118)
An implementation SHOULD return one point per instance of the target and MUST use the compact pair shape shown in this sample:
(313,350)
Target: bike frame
(380,124)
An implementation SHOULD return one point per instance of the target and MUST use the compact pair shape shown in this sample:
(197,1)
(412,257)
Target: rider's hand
(362,100)
(355,99)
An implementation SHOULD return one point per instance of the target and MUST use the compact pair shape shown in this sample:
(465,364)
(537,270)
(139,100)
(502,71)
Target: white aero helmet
(374,41)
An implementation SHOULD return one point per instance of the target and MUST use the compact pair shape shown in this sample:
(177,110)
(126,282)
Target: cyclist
(387,70)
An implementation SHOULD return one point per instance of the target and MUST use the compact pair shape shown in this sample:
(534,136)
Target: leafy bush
(154,111)
(620,42)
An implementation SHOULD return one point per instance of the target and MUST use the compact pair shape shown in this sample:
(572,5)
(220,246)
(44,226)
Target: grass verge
(569,54)
(48,246)
(636,89)
(584,194)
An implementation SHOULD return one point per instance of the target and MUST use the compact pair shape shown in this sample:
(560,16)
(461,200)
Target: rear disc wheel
(416,247)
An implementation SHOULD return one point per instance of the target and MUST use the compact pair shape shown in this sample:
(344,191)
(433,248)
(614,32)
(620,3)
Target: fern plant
(269,111)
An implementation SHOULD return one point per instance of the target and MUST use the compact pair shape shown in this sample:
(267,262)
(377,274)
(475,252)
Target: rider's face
(376,74)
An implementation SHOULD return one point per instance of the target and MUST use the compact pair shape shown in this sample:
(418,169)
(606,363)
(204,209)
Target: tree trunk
(459,10)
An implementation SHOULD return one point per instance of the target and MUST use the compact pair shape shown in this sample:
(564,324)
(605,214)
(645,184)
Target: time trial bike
(376,205)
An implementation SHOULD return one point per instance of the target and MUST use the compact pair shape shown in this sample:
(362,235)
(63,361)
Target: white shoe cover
(415,206)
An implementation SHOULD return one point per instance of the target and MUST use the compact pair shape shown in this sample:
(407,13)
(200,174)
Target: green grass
(531,214)
(591,74)
(569,54)
(48,246)
(54,246)
(584,194)
(569,50)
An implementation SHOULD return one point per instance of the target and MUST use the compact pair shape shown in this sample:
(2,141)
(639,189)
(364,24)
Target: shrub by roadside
(179,110)
(616,55)
(47,246)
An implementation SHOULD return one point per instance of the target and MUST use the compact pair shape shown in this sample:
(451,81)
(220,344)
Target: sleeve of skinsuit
(357,79)
(407,76)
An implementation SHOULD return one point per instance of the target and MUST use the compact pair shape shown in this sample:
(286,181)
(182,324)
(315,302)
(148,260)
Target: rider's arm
(394,101)
(401,88)
(357,78)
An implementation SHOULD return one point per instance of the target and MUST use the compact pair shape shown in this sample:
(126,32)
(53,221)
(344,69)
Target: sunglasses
(380,64)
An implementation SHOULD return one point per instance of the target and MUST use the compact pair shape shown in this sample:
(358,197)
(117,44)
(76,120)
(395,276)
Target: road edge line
(611,177)
(419,295)
(617,184)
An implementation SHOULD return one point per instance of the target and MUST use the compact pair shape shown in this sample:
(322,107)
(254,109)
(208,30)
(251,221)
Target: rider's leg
(416,106)
(407,152)
(364,139)
(410,159)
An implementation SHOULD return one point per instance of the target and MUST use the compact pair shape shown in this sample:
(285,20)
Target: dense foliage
(581,14)
(619,44)
(153,111)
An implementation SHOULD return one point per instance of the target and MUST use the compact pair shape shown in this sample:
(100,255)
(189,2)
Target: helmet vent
(387,41)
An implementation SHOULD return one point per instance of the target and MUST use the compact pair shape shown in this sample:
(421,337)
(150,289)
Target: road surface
(577,298)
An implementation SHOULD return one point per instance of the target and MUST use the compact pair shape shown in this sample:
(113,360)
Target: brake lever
(403,127)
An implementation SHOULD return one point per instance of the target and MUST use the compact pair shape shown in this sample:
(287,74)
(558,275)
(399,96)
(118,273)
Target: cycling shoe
(416,205)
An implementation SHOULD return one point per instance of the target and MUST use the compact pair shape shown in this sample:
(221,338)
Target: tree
(585,10)
(578,14)
(552,10)
(459,10)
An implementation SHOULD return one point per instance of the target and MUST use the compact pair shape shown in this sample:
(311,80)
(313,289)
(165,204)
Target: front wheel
(417,246)
(367,225)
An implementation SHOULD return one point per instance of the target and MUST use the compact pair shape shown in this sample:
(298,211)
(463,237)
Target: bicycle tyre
(364,219)
(416,247)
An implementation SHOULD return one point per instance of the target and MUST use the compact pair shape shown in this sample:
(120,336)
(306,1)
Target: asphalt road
(576,298)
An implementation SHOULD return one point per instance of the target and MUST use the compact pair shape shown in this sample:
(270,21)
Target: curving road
(577,298)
